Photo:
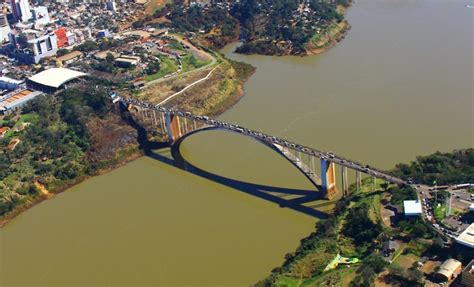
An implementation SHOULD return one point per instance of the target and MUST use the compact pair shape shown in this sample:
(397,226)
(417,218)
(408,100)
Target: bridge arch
(175,150)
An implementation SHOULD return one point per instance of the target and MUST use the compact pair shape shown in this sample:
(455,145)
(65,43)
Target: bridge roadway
(328,156)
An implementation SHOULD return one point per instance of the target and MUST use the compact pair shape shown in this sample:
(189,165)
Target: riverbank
(125,156)
(336,33)
(325,35)
(218,94)
(210,91)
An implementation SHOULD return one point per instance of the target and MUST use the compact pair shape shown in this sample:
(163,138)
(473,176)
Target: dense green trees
(53,147)
(359,226)
(445,168)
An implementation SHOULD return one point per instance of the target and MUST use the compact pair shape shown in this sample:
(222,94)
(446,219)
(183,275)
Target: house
(127,61)
(390,247)
(3,131)
(70,57)
(412,208)
(449,270)
(467,275)
(13,143)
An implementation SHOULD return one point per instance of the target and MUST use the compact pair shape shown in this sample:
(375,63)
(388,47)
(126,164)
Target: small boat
(470,6)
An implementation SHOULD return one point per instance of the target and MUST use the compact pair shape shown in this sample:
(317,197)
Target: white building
(412,207)
(466,238)
(21,10)
(41,16)
(33,45)
(44,46)
(4,28)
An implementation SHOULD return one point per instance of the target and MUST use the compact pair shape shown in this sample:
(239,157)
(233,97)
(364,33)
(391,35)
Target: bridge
(176,125)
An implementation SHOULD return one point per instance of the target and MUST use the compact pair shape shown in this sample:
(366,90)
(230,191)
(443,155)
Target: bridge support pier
(345,182)
(328,178)
(358,180)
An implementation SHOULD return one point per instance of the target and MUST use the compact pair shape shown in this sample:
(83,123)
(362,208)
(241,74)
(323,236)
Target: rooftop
(412,207)
(449,267)
(467,237)
(55,77)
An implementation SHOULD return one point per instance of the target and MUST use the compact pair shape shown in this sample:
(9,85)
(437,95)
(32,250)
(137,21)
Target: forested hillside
(57,142)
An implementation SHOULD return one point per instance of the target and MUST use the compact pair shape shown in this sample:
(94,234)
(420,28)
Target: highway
(328,156)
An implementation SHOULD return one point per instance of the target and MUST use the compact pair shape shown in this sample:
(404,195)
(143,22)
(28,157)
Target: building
(16,99)
(33,45)
(53,79)
(111,5)
(21,10)
(4,28)
(449,270)
(3,131)
(466,238)
(41,15)
(61,36)
(471,207)
(70,57)
(127,61)
(467,275)
(10,84)
(412,207)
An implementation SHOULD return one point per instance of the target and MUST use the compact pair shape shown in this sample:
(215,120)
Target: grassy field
(167,66)
(440,212)
(154,5)
(190,63)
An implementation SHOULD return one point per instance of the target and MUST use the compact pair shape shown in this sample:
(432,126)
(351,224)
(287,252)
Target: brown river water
(399,85)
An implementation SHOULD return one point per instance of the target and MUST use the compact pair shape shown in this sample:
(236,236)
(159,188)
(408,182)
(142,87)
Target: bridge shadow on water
(271,193)
(258,190)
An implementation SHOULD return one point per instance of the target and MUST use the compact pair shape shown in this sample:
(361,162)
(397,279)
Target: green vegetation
(439,211)
(445,168)
(53,150)
(399,194)
(220,27)
(167,66)
(190,63)
(276,27)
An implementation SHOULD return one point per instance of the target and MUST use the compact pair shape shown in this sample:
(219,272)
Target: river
(398,86)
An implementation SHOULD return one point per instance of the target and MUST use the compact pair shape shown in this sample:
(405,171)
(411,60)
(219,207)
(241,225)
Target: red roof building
(61,36)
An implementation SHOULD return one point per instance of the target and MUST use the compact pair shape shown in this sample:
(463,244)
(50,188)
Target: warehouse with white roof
(412,207)
(53,79)
(466,238)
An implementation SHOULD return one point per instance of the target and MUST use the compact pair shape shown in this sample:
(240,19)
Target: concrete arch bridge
(176,125)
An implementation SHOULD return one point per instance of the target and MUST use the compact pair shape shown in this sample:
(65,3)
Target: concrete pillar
(358,180)
(345,187)
(155,122)
(328,178)
(168,127)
